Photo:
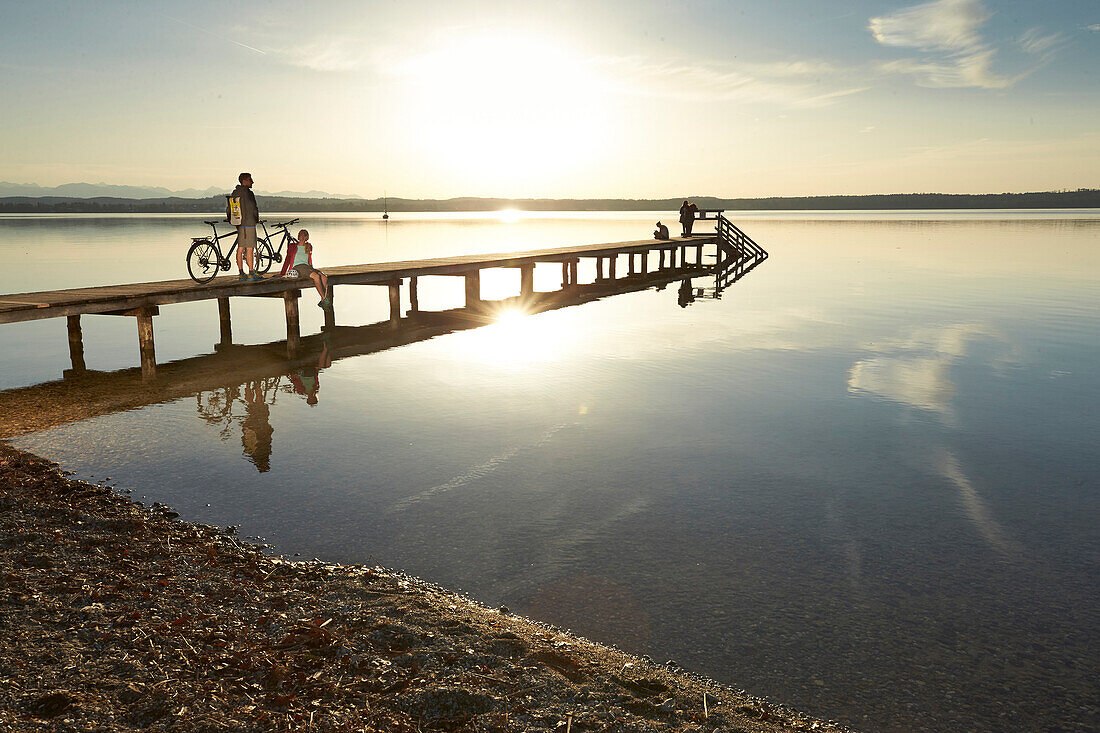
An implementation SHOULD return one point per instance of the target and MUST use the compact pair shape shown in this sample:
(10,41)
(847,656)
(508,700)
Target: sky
(569,99)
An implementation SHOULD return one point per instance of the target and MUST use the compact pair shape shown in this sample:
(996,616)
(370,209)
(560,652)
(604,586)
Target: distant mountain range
(317,201)
(96,190)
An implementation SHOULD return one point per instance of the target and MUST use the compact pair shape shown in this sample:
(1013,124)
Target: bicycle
(205,259)
(265,255)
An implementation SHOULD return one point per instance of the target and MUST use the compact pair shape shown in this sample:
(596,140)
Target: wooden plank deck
(50,404)
(19,307)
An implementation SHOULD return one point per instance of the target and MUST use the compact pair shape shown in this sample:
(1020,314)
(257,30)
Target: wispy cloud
(948,33)
(1035,43)
(794,83)
(1095,27)
(219,36)
(331,54)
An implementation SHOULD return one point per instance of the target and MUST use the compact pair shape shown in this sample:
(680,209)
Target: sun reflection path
(516,340)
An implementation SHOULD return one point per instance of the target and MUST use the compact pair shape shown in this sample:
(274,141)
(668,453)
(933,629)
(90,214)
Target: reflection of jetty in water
(235,386)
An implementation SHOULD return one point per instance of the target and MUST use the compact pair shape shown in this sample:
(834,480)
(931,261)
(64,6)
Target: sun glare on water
(515,341)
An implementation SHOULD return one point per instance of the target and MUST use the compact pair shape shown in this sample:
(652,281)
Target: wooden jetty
(92,394)
(142,301)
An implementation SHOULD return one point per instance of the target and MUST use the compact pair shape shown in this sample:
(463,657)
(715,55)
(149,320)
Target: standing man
(246,230)
(687,218)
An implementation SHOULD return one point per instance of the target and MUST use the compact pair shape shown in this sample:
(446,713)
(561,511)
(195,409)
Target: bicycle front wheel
(203,260)
(263,258)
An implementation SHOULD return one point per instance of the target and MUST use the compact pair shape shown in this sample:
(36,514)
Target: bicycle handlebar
(285,224)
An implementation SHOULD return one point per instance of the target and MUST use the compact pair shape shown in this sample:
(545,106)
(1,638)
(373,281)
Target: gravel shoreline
(116,616)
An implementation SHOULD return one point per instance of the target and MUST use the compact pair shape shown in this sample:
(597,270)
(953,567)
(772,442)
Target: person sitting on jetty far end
(661,232)
(687,217)
(299,263)
(246,230)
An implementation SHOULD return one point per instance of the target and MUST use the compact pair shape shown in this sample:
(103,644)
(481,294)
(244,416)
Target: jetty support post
(225,325)
(599,268)
(330,311)
(573,271)
(395,303)
(645,262)
(76,345)
(527,281)
(564,274)
(293,334)
(699,253)
(414,296)
(145,343)
(661,259)
(473,289)
(611,265)
(630,265)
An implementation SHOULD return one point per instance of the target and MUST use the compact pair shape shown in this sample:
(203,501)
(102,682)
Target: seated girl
(299,263)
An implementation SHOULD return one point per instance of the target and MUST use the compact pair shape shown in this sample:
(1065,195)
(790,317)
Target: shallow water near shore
(863,482)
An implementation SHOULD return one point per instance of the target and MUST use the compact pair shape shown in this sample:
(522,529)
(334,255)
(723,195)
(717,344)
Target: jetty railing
(737,253)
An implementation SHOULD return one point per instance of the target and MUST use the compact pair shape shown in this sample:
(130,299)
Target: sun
(503,106)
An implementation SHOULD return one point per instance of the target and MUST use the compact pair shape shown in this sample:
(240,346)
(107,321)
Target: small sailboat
(385,206)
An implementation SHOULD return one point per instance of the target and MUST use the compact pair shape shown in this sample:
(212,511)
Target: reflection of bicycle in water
(205,259)
(248,406)
(216,407)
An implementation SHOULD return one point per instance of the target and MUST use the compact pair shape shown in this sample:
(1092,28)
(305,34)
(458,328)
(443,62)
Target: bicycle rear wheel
(203,260)
(263,258)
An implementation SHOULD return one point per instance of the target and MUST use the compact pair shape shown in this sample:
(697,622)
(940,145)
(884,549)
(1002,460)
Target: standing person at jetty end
(246,230)
(687,217)
(299,263)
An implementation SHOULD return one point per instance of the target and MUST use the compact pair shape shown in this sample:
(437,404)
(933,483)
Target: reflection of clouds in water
(975,506)
(916,371)
(475,472)
(919,382)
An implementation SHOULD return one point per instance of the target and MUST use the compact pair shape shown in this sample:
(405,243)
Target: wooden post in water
(293,336)
(699,253)
(225,325)
(414,298)
(526,280)
(611,266)
(564,275)
(672,258)
(645,262)
(330,311)
(145,344)
(661,259)
(76,345)
(573,271)
(473,289)
(630,266)
(395,303)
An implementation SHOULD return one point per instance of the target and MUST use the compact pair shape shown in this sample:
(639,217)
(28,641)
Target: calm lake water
(863,482)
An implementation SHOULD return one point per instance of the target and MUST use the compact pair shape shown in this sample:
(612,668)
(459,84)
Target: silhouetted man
(246,230)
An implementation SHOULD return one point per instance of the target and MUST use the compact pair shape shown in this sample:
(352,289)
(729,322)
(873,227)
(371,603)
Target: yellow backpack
(233,210)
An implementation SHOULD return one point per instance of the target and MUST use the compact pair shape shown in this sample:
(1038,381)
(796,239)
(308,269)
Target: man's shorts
(303,270)
(246,237)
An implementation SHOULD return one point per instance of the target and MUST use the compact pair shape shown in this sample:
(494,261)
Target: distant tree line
(1081,198)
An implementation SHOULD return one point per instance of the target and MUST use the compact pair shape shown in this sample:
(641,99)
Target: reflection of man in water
(256,431)
(307,380)
(685,296)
